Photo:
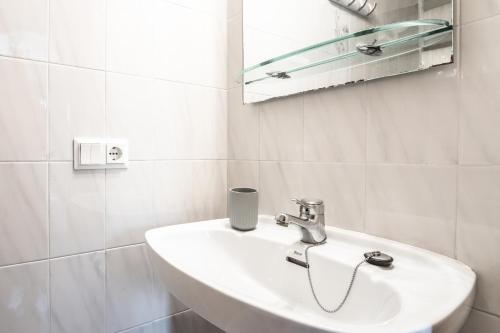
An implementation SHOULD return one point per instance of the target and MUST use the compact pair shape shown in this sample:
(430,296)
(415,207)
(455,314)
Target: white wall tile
(78,33)
(414,119)
(480,322)
(479,98)
(198,54)
(213,7)
(129,288)
(23,110)
(24,298)
(243,174)
(335,125)
(147,328)
(77,294)
(172,192)
(209,190)
(473,10)
(130,113)
(478,230)
(281,130)
(76,107)
(235,51)
(413,204)
(24,213)
(185,191)
(129,203)
(184,322)
(190,121)
(279,182)
(129,47)
(24,29)
(77,209)
(243,127)
(342,188)
(164,304)
(234,7)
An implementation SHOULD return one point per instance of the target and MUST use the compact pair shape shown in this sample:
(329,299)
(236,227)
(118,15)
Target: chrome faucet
(311,220)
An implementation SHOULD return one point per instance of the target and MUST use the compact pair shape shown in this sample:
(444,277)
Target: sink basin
(241,282)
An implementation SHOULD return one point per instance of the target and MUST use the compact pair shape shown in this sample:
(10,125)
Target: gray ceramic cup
(243,208)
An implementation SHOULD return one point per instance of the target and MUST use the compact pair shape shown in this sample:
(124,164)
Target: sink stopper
(378,258)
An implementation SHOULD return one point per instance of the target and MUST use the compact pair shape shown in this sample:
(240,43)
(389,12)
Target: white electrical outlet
(99,153)
(117,152)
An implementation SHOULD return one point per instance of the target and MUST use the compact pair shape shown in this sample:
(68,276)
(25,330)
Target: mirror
(291,46)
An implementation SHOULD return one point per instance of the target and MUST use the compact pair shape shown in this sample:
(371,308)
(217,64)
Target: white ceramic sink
(241,282)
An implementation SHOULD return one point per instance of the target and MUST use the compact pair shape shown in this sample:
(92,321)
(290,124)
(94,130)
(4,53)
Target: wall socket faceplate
(100,153)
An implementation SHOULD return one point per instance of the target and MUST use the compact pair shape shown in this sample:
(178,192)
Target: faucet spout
(285,220)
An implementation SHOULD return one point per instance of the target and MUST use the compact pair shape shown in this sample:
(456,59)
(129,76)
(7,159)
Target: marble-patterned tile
(479,98)
(186,191)
(76,108)
(185,322)
(243,174)
(414,119)
(24,28)
(282,130)
(23,110)
(147,328)
(172,192)
(164,303)
(129,47)
(24,298)
(77,294)
(335,125)
(129,288)
(243,127)
(198,54)
(413,204)
(342,189)
(129,204)
(209,200)
(24,212)
(473,10)
(279,182)
(478,230)
(235,51)
(130,113)
(78,33)
(216,8)
(191,121)
(234,7)
(481,322)
(77,209)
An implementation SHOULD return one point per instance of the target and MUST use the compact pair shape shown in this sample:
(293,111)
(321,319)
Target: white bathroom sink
(241,282)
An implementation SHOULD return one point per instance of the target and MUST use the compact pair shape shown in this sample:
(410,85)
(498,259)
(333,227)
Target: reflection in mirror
(291,46)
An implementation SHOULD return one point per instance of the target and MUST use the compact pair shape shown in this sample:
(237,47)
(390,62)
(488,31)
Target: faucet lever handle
(308,203)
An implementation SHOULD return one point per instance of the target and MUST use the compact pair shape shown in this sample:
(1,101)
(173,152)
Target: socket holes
(115,153)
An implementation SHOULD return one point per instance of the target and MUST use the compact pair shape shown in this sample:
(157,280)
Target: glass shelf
(353,49)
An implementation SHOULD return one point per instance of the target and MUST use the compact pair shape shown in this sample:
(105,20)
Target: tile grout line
(49,2)
(105,277)
(105,71)
(486,312)
(153,321)
(365,164)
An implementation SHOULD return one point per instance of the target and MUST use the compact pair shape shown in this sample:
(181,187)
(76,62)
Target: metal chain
(341,304)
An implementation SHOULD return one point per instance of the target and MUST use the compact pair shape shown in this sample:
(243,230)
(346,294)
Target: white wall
(72,257)
(414,158)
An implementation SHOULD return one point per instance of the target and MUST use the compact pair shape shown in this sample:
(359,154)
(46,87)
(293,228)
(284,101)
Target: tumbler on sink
(243,208)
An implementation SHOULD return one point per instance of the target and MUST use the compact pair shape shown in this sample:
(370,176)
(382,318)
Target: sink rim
(334,234)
